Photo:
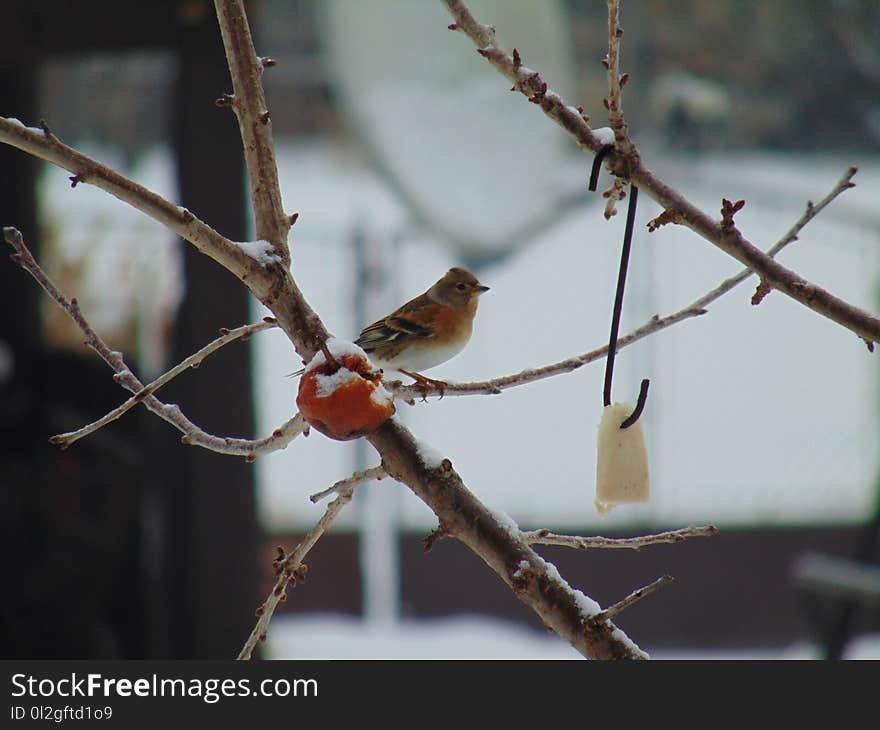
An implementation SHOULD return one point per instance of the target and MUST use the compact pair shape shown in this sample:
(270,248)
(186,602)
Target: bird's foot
(425,383)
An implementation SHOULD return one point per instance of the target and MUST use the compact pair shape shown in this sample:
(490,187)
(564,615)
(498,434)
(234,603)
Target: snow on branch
(678,208)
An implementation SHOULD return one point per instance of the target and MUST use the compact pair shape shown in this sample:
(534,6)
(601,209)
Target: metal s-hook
(597,165)
(640,405)
(618,298)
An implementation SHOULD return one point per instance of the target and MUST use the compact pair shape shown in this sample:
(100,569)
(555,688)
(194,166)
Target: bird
(428,330)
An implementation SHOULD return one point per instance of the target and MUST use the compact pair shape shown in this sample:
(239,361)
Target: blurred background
(405,154)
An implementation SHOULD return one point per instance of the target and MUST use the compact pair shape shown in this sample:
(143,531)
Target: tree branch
(635,597)
(545,537)
(45,145)
(365,475)
(249,105)
(193,361)
(726,237)
(171,413)
(613,102)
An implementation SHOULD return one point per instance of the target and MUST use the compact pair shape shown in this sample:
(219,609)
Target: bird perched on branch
(428,330)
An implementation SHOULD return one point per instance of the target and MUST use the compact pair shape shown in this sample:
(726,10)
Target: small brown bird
(428,330)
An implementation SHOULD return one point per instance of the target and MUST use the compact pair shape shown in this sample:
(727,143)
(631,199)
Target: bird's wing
(399,326)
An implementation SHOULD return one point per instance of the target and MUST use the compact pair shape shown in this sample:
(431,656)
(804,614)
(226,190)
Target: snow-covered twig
(290,567)
(545,537)
(655,324)
(359,477)
(171,413)
(193,361)
(678,208)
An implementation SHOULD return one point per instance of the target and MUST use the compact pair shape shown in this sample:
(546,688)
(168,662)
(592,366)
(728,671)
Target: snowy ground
(473,637)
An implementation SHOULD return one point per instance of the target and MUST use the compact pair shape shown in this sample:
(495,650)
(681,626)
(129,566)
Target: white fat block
(622,464)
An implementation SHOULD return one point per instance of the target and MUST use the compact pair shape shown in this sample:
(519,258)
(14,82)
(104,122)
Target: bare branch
(171,413)
(193,361)
(359,477)
(622,143)
(290,567)
(545,537)
(249,104)
(655,324)
(634,597)
(45,145)
(731,241)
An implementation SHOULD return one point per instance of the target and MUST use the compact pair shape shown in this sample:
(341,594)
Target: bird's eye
(461,286)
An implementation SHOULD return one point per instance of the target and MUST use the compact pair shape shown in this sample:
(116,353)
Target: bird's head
(458,288)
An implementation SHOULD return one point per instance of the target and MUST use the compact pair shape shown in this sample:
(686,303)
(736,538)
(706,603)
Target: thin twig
(288,568)
(193,361)
(732,242)
(171,413)
(622,143)
(249,104)
(545,537)
(375,472)
(655,324)
(634,597)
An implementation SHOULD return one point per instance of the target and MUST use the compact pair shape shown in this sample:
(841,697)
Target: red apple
(343,399)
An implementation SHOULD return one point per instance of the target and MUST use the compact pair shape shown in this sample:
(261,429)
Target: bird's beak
(480,288)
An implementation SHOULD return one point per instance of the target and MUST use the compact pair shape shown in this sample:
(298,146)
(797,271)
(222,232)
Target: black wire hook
(618,301)
(597,165)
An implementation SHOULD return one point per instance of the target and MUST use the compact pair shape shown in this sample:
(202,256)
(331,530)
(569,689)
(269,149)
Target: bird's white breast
(422,358)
